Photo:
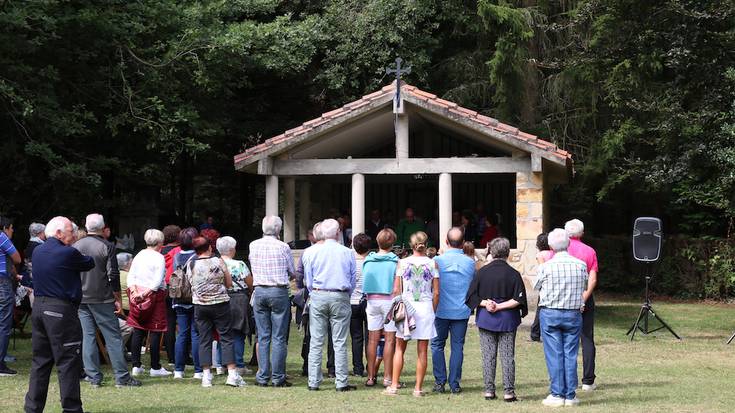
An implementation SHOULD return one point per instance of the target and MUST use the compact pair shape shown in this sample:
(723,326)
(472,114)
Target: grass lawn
(654,373)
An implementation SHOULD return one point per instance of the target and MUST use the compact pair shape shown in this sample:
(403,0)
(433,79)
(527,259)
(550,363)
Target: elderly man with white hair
(100,306)
(272,266)
(57,334)
(582,251)
(561,282)
(330,275)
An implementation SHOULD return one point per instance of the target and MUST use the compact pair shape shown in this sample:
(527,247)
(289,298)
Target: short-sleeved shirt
(208,281)
(457,271)
(584,252)
(356,296)
(6,250)
(561,282)
(239,271)
(271,262)
(417,275)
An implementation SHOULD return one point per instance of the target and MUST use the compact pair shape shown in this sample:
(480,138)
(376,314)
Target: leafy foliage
(119,105)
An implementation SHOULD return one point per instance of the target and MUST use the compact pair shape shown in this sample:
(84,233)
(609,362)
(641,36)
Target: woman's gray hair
(574,228)
(499,248)
(272,225)
(36,229)
(94,223)
(226,245)
(558,240)
(124,259)
(317,231)
(329,228)
(153,237)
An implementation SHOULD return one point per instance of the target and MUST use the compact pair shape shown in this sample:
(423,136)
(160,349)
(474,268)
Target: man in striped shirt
(561,282)
(9,257)
(271,265)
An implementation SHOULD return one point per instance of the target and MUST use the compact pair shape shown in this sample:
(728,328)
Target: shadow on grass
(169,408)
(617,316)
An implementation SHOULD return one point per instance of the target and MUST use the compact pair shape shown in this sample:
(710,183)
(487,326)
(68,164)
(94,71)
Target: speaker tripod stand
(641,323)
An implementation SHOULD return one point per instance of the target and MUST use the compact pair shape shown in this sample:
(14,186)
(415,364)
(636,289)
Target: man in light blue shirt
(330,276)
(456,271)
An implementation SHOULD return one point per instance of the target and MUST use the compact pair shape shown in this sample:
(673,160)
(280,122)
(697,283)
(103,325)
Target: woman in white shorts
(417,280)
(378,272)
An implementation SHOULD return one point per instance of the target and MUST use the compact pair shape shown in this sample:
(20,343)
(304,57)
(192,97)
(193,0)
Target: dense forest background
(116,105)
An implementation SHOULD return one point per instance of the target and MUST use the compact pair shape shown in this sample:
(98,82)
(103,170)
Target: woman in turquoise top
(378,273)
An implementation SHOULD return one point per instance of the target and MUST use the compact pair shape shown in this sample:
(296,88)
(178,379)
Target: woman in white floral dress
(417,282)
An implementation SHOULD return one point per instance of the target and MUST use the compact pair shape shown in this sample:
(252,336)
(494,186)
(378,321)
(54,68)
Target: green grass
(653,373)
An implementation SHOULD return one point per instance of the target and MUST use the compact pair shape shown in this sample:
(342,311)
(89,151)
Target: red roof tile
(429,98)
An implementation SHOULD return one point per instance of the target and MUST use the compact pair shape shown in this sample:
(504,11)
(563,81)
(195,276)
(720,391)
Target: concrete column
(289,210)
(402,136)
(445,207)
(358,204)
(271,194)
(304,209)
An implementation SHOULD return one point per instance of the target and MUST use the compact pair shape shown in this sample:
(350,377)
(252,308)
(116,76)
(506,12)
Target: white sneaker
(137,371)
(206,380)
(244,371)
(553,401)
(235,381)
(571,402)
(220,371)
(178,374)
(197,376)
(162,372)
(589,387)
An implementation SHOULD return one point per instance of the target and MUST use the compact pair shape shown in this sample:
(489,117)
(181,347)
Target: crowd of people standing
(187,290)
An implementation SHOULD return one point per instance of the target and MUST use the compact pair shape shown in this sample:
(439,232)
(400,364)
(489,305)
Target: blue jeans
(458,330)
(329,309)
(271,306)
(7,303)
(102,316)
(560,330)
(238,346)
(188,334)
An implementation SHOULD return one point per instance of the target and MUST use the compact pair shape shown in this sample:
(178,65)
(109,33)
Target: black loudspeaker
(647,236)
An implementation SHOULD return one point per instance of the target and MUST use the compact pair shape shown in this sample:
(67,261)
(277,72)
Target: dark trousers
(588,342)
(209,317)
(137,342)
(305,350)
(358,333)
(56,340)
(7,305)
(170,339)
(536,326)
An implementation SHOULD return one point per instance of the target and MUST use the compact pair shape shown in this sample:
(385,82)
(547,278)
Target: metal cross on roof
(398,71)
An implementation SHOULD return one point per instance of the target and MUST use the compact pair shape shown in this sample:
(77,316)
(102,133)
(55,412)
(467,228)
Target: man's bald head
(455,237)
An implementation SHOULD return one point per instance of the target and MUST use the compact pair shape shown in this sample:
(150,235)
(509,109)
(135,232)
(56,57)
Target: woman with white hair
(242,286)
(147,295)
(36,231)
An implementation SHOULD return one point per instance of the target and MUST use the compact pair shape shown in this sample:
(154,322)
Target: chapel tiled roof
(410,93)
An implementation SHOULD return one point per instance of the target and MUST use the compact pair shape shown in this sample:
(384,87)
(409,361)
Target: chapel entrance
(392,194)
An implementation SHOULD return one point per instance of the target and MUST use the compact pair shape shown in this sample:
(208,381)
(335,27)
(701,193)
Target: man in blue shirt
(330,276)
(57,333)
(456,271)
(9,257)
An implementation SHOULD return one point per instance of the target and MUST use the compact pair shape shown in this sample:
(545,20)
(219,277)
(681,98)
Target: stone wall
(529,223)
